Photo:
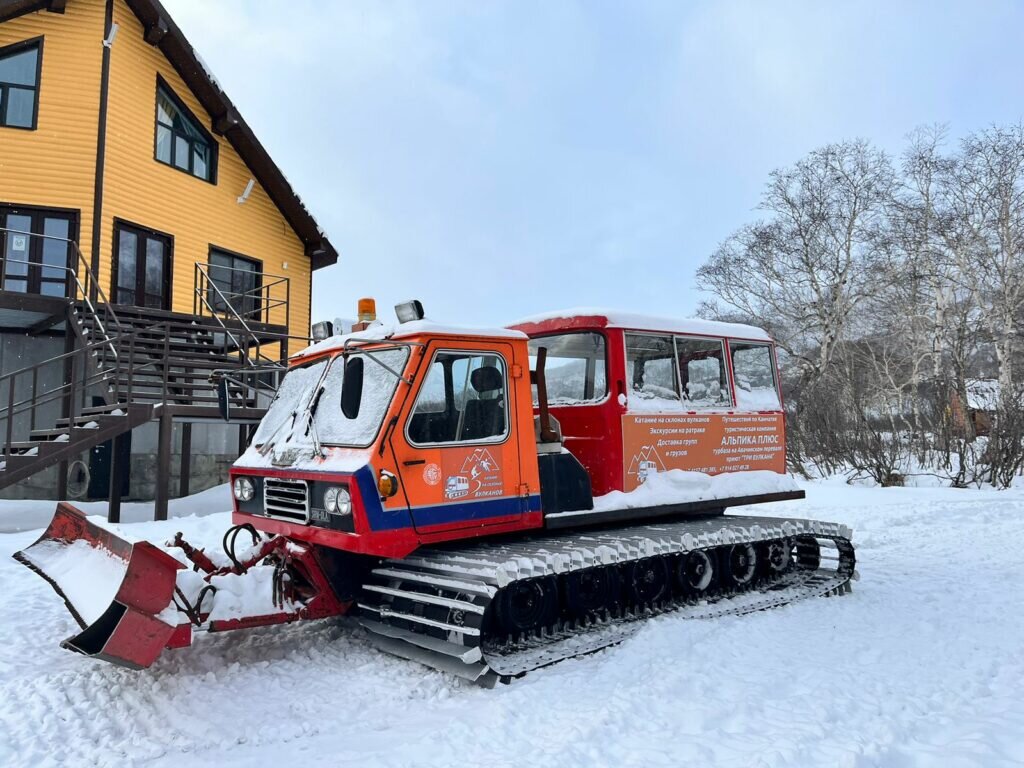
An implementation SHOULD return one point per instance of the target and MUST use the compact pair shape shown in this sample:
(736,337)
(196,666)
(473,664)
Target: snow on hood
(640,322)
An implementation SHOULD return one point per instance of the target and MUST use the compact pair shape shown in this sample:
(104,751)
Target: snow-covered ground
(922,665)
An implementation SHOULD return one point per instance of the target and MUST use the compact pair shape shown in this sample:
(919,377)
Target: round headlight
(244,489)
(337,501)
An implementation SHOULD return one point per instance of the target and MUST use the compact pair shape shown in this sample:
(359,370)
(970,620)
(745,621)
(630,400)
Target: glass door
(36,251)
(142,267)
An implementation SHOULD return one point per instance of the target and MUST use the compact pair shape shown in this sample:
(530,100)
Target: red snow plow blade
(115,589)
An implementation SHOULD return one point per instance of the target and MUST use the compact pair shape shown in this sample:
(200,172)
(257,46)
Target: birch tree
(985,193)
(807,266)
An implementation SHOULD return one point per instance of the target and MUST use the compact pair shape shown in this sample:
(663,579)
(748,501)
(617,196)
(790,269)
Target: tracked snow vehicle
(485,501)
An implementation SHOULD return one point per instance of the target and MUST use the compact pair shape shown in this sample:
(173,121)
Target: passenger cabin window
(180,140)
(651,372)
(20,69)
(754,371)
(703,376)
(574,369)
(462,400)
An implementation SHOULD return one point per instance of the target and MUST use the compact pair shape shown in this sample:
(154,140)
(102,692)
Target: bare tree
(810,263)
(984,189)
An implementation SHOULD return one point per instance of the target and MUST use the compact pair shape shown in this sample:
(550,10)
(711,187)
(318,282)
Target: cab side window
(462,400)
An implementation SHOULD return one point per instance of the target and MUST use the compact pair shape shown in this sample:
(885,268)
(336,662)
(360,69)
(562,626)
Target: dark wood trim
(185,467)
(36,207)
(214,145)
(155,32)
(30,302)
(688,509)
(12,9)
(163,465)
(101,149)
(16,48)
(139,229)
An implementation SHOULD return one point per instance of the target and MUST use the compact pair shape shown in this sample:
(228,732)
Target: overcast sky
(497,159)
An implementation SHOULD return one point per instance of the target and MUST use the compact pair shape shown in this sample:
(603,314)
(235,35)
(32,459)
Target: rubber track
(433,606)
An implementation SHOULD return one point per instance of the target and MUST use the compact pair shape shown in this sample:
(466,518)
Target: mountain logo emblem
(645,463)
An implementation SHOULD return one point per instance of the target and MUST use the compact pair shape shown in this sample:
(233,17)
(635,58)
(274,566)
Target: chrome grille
(286,499)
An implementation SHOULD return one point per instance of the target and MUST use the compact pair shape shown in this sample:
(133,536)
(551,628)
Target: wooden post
(163,465)
(186,459)
(116,480)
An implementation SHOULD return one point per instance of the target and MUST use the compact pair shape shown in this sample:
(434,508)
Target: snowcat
(485,501)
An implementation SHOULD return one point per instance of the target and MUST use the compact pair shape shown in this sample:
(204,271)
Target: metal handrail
(201,291)
(82,288)
(261,294)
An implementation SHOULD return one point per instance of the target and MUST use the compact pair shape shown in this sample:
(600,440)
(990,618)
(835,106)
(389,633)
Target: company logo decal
(479,476)
(431,474)
(645,463)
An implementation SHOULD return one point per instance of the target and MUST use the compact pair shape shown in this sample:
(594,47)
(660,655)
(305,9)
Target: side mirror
(352,387)
(223,399)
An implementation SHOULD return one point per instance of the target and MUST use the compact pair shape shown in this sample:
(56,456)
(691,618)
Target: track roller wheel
(695,572)
(591,590)
(778,554)
(648,580)
(807,552)
(741,564)
(527,605)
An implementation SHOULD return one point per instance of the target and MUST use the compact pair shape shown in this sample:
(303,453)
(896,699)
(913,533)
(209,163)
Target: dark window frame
(15,48)
(140,230)
(506,402)
(256,313)
(724,371)
(591,379)
(214,147)
(34,278)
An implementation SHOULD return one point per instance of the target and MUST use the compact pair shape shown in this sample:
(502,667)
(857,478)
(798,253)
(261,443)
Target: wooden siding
(54,166)
(196,213)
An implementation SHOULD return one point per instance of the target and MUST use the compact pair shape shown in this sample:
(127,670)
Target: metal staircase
(139,364)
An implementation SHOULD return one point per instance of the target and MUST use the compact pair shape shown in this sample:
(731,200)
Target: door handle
(413,462)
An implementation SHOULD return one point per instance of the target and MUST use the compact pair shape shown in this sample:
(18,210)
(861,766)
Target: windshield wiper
(314,403)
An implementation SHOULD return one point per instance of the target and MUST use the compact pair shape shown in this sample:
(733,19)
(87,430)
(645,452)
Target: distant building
(146,239)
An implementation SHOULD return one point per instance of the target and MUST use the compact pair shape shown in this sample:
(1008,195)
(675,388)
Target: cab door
(457,449)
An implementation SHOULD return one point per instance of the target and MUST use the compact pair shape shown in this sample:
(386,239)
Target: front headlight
(337,501)
(243,489)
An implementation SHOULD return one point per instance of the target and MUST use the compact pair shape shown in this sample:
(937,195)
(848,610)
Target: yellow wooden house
(136,207)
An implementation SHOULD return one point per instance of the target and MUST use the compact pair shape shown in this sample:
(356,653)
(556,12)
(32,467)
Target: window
(462,400)
(36,250)
(20,69)
(238,280)
(142,267)
(704,379)
(754,372)
(651,370)
(180,140)
(574,369)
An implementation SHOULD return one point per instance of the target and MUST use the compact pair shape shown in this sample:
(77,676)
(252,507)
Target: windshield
(286,422)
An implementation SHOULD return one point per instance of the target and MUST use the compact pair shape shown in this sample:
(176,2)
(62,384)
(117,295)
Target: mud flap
(91,567)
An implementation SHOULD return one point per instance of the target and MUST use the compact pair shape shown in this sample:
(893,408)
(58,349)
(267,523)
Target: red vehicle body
(446,444)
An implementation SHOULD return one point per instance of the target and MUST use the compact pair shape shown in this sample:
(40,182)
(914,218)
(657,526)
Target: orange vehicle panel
(470,484)
(712,443)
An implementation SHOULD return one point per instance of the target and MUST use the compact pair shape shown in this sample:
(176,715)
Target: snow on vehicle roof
(638,322)
(379,331)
